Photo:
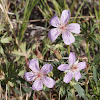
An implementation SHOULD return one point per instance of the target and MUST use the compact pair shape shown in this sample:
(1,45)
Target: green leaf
(28,52)
(30,4)
(27,90)
(23,47)
(95,40)
(6,40)
(18,53)
(56,6)
(2,27)
(1,50)
(97,37)
(96,60)
(80,90)
(95,74)
(62,91)
(10,83)
(17,58)
(78,11)
(34,46)
(21,73)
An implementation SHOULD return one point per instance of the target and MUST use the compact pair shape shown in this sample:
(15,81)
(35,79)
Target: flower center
(73,68)
(62,27)
(40,75)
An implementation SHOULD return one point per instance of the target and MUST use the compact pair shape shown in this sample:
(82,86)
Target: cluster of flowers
(39,76)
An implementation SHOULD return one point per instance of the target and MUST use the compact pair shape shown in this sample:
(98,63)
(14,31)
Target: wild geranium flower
(73,68)
(39,75)
(63,27)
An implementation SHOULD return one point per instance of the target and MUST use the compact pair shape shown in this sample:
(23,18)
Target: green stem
(59,95)
(88,55)
(44,94)
(65,5)
(0,90)
(88,52)
(6,92)
(99,9)
(92,47)
(73,92)
(50,94)
(68,49)
(86,87)
(99,13)
(34,96)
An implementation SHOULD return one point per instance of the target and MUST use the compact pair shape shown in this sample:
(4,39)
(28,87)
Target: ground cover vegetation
(49,49)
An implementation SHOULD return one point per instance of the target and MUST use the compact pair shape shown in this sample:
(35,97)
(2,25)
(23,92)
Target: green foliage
(17,48)
(80,90)
(6,40)
(30,4)
(22,51)
(95,74)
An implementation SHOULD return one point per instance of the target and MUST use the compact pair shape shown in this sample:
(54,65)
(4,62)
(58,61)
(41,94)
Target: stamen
(40,75)
(62,27)
(73,68)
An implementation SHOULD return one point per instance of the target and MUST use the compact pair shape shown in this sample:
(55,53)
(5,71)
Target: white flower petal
(68,38)
(53,34)
(73,27)
(55,21)
(37,85)
(47,68)
(68,77)
(29,76)
(63,67)
(72,58)
(34,65)
(65,16)
(82,65)
(77,76)
(49,82)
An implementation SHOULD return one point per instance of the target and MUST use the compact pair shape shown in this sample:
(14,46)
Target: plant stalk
(68,49)
(99,15)
(73,92)
(88,52)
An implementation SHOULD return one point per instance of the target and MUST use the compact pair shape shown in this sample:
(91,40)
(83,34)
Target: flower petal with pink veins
(72,58)
(68,38)
(37,85)
(65,16)
(53,34)
(77,76)
(29,76)
(63,67)
(55,21)
(68,77)
(49,82)
(82,65)
(47,68)
(73,27)
(34,65)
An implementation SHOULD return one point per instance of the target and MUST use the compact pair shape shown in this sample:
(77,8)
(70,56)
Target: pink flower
(62,27)
(73,68)
(39,75)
